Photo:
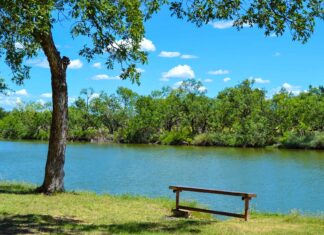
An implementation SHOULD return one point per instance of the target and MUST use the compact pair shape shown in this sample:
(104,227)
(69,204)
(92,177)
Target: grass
(23,212)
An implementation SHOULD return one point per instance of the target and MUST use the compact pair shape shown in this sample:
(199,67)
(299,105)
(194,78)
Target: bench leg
(246,208)
(177,199)
(177,212)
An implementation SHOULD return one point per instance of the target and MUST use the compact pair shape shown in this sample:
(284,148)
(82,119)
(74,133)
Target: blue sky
(216,54)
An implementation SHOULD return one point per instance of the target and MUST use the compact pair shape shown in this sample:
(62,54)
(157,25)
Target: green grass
(22,211)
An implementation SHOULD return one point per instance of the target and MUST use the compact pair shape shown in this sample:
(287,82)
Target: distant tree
(116,30)
(3,113)
(242,114)
(88,93)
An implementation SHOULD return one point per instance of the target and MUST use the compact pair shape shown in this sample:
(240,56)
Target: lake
(283,180)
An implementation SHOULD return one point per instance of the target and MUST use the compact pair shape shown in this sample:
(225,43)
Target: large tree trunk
(54,171)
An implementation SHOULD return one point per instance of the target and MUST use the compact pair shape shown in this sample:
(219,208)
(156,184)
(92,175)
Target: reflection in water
(282,179)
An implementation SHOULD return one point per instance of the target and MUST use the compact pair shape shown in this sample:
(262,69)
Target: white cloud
(94,95)
(118,43)
(277,54)
(104,77)
(169,54)
(295,90)
(140,70)
(287,86)
(18,45)
(22,92)
(41,101)
(225,24)
(208,80)
(97,65)
(42,63)
(75,64)
(46,95)
(147,45)
(188,57)
(9,101)
(18,100)
(163,79)
(226,79)
(202,89)
(173,54)
(71,100)
(180,71)
(290,88)
(222,24)
(218,72)
(259,80)
(177,84)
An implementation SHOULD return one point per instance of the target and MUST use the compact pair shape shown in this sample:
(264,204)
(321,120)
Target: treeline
(238,116)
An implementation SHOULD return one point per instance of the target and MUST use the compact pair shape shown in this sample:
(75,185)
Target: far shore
(94,141)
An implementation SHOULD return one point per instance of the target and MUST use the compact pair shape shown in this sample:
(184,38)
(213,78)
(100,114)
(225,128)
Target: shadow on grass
(34,224)
(17,189)
(24,189)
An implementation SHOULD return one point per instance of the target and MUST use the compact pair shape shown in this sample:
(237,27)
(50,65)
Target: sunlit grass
(22,211)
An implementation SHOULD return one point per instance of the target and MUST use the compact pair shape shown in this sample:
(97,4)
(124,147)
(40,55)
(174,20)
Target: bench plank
(211,211)
(203,190)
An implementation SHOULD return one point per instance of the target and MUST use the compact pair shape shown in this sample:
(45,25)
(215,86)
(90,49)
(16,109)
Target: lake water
(283,180)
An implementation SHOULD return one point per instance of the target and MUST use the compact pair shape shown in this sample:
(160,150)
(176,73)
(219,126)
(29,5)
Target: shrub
(181,137)
(205,139)
(318,141)
(310,140)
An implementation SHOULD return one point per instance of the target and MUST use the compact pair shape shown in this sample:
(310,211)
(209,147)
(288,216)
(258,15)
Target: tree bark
(54,170)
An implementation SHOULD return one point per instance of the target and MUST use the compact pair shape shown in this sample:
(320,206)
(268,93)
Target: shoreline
(274,146)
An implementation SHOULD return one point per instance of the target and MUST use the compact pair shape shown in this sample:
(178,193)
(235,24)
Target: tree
(116,30)
(242,114)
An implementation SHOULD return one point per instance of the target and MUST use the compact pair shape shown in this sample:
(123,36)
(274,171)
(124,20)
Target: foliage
(297,16)
(239,116)
(176,137)
(205,139)
(31,121)
(3,113)
(116,28)
(309,141)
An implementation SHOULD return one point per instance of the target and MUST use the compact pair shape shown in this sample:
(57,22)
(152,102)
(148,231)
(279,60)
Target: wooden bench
(245,196)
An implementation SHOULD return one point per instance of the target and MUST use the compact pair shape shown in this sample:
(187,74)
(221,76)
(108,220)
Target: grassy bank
(22,211)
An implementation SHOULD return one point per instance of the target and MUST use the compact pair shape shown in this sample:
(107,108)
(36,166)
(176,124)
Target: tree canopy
(117,27)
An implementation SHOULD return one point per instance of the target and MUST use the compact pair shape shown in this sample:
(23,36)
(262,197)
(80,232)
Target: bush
(318,141)
(310,140)
(205,139)
(176,137)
